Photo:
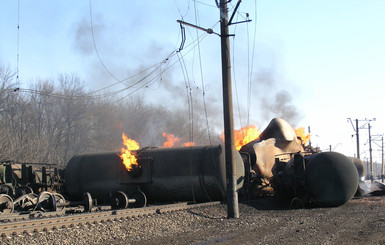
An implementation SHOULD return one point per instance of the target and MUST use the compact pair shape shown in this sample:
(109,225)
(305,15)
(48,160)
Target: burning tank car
(274,163)
(162,175)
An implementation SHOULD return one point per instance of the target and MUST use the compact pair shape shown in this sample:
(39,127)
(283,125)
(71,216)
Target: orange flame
(188,144)
(244,135)
(173,141)
(300,132)
(129,159)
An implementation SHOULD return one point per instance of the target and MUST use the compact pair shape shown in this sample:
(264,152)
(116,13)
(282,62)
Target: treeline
(56,119)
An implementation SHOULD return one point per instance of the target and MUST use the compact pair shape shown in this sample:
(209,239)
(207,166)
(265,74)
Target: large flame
(173,141)
(126,155)
(244,135)
(300,132)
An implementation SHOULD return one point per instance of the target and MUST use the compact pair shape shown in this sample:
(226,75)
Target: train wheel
(140,199)
(119,200)
(6,204)
(59,199)
(46,202)
(87,201)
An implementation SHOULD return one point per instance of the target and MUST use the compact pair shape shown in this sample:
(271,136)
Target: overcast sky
(313,63)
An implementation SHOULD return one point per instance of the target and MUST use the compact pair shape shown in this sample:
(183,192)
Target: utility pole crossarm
(232,16)
(209,30)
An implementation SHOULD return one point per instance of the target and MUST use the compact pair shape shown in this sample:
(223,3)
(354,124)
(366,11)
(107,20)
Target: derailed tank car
(163,174)
(325,179)
(278,159)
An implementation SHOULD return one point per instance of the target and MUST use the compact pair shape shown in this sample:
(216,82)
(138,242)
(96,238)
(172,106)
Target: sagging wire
(252,61)
(144,85)
(154,68)
(180,13)
(191,47)
(202,79)
(248,76)
(111,85)
(249,66)
(203,93)
(198,40)
(235,81)
(120,81)
(233,60)
(190,108)
(94,43)
(188,85)
(89,96)
(101,61)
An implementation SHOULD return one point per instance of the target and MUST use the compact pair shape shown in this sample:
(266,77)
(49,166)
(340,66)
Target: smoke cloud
(182,96)
(272,99)
(83,39)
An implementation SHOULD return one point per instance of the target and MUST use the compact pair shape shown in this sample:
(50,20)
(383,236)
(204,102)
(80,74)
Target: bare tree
(54,120)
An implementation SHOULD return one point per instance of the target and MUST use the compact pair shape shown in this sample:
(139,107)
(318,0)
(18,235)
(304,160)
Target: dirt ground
(360,221)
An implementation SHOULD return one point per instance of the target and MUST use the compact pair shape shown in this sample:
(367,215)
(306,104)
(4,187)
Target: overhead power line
(18,45)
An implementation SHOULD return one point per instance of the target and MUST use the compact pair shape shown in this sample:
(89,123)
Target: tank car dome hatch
(280,130)
(331,179)
(277,129)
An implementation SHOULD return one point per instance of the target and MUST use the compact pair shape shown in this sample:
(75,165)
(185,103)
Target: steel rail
(50,224)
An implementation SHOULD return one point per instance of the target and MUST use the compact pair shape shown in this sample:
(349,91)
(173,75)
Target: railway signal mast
(232,195)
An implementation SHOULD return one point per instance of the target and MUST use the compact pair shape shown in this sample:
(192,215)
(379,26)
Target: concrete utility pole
(231,174)
(370,154)
(232,195)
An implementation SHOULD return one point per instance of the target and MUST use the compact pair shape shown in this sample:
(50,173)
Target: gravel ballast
(360,221)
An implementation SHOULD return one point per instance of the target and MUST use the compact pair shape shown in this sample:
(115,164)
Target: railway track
(30,227)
